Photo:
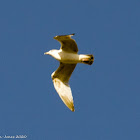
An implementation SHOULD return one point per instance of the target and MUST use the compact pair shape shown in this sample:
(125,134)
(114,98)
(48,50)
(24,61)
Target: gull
(68,57)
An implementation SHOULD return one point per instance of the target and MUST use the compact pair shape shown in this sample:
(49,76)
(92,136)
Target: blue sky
(106,94)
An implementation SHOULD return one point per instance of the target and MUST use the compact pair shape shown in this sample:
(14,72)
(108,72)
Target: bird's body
(68,57)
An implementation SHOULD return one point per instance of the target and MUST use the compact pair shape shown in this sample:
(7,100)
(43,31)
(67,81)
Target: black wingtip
(73,34)
(69,35)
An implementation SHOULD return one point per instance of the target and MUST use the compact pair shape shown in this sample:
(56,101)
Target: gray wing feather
(64,72)
(60,80)
(67,43)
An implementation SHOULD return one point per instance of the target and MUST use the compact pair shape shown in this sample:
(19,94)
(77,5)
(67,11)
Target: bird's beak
(46,53)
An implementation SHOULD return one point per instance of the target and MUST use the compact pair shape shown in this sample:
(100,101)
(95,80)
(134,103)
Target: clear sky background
(106,94)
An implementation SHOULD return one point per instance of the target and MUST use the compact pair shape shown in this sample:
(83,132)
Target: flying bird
(68,57)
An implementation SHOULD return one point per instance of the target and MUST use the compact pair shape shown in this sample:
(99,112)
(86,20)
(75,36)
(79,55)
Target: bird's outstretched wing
(67,43)
(60,80)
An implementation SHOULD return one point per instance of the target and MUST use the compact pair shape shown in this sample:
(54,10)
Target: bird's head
(51,52)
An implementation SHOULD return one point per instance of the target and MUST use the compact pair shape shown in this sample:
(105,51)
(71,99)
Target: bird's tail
(88,59)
